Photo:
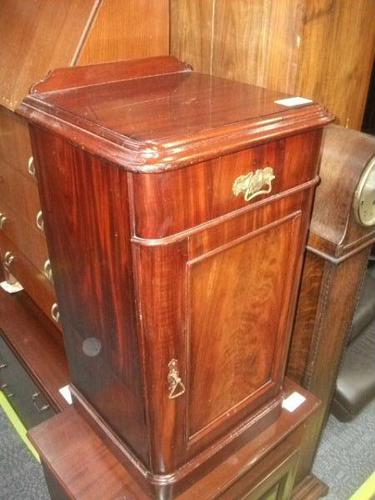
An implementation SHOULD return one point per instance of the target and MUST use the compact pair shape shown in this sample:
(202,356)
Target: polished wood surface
(145,298)
(34,338)
(334,269)
(104,477)
(120,113)
(319,49)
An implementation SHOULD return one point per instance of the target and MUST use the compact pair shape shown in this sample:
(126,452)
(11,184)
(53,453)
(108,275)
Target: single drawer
(21,390)
(26,235)
(19,192)
(15,147)
(35,281)
(169,202)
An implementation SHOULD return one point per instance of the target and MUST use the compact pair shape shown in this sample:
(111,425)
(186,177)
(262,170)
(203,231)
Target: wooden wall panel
(337,54)
(257,42)
(127,29)
(29,47)
(322,49)
(191,32)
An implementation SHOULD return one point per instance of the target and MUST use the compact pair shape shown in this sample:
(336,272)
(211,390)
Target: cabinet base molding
(164,485)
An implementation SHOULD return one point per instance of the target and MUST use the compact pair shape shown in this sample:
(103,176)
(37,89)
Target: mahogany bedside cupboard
(176,213)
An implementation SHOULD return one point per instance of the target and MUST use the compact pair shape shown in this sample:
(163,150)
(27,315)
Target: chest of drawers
(36,37)
(176,212)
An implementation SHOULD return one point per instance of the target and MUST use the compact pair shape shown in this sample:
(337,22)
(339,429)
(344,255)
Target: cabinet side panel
(85,207)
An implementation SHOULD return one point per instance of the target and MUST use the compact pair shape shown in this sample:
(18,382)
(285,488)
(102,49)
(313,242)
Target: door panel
(238,305)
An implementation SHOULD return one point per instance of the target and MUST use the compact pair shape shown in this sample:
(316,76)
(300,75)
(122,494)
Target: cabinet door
(238,303)
(215,314)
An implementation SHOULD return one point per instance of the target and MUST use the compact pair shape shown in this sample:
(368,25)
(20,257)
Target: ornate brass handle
(176,386)
(254,183)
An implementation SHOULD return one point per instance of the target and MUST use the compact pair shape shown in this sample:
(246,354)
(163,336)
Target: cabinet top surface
(160,112)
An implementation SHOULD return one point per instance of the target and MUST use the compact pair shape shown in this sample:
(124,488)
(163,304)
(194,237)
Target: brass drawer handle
(39,221)
(31,166)
(47,270)
(4,388)
(3,220)
(55,314)
(41,408)
(254,183)
(175,385)
(8,259)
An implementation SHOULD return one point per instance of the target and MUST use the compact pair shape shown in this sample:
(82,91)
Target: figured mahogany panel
(91,249)
(239,297)
(205,190)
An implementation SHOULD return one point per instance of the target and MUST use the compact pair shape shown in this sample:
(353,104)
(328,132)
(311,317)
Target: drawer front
(25,235)
(35,281)
(15,147)
(23,393)
(19,192)
(171,202)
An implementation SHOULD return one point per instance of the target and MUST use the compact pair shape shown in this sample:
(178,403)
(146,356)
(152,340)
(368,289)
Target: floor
(346,458)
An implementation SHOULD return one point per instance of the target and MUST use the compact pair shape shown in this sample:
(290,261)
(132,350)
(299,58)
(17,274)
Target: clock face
(364,199)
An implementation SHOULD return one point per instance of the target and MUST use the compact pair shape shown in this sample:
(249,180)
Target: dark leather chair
(356,381)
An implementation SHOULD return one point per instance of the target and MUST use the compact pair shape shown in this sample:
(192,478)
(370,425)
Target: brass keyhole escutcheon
(175,384)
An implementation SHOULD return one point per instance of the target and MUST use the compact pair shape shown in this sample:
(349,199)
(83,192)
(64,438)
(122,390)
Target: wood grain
(257,42)
(127,29)
(192,31)
(337,53)
(26,32)
(103,476)
(320,49)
